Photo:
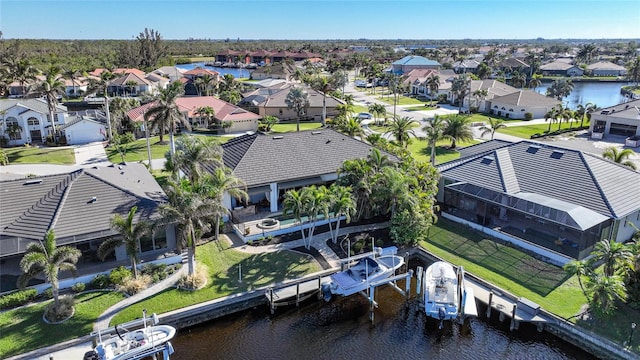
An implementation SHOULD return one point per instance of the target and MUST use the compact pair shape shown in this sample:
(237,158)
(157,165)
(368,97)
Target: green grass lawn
(424,107)
(402,100)
(421,151)
(138,150)
(44,155)
(506,267)
(23,329)
(222,261)
(616,326)
(285,128)
(526,131)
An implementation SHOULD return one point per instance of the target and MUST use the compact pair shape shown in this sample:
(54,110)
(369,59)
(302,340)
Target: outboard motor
(90,355)
(442,314)
(326,292)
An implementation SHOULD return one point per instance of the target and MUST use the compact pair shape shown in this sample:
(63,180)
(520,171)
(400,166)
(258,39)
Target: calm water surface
(237,73)
(603,94)
(341,330)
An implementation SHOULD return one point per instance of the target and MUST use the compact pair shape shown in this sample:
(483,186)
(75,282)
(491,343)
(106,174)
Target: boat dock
(293,292)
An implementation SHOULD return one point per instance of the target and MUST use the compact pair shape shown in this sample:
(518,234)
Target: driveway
(87,155)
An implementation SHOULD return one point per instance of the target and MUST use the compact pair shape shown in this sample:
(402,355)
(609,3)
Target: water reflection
(603,94)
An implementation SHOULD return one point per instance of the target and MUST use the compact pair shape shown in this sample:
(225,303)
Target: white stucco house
(26,121)
(85,127)
(517,104)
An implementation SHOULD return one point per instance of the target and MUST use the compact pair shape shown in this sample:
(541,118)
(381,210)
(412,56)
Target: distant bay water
(236,72)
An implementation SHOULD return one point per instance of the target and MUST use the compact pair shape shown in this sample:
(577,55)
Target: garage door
(622,129)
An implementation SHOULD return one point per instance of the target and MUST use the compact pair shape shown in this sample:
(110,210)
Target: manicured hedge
(17,298)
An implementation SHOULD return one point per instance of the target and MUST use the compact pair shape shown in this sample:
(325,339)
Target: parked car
(360,83)
(364,116)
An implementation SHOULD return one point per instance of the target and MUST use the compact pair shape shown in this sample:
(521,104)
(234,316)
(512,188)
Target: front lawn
(137,150)
(41,155)
(506,267)
(23,329)
(403,100)
(526,131)
(285,128)
(421,151)
(222,261)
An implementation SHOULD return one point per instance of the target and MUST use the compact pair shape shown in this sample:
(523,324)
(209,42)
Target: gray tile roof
(628,110)
(65,203)
(261,159)
(568,175)
(482,147)
(526,98)
(37,105)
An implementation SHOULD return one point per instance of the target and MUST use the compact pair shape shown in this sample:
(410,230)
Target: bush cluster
(101,281)
(78,287)
(157,272)
(17,298)
(133,286)
(118,275)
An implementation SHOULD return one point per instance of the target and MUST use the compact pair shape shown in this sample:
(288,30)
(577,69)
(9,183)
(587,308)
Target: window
(33,121)
(13,129)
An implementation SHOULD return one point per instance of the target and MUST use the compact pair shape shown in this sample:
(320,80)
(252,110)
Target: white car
(364,116)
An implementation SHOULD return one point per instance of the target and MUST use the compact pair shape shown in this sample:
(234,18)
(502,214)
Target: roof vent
(278,137)
(557,154)
(33,182)
(316,132)
(93,199)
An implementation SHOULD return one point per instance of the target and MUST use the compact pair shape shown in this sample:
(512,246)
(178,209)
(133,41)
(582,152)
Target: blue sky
(307,19)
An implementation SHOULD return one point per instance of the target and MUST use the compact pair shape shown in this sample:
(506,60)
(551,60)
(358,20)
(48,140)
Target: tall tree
(194,156)
(130,234)
(620,156)
(343,204)
(460,88)
(72,74)
(633,70)
(298,100)
(434,131)
(206,113)
(49,259)
(378,111)
(51,87)
(433,83)
(401,128)
(480,95)
(323,85)
(605,291)
(612,254)
(458,128)
(152,48)
(223,181)
(580,269)
(492,127)
(100,86)
(166,115)
(536,80)
(560,88)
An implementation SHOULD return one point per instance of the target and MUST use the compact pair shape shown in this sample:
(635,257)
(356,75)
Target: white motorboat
(358,277)
(135,344)
(441,292)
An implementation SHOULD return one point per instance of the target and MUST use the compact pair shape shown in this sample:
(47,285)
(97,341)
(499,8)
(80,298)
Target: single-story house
(560,68)
(512,191)
(466,66)
(271,164)
(622,119)
(172,73)
(32,119)
(494,88)
(412,62)
(78,207)
(511,65)
(517,104)
(280,70)
(233,118)
(271,101)
(606,68)
(85,127)
(130,84)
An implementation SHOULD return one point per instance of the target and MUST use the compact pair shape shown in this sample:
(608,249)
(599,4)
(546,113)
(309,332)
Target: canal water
(602,94)
(341,329)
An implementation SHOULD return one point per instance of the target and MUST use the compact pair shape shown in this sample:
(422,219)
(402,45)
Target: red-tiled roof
(199,71)
(224,111)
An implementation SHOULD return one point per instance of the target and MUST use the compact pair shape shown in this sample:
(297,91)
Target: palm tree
(295,202)
(343,205)
(460,88)
(207,113)
(458,128)
(536,80)
(298,100)
(194,155)
(584,111)
(131,233)
(633,70)
(605,290)
(100,86)
(165,114)
(192,212)
(51,88)
(434,132)
(23,72)
(352,127)
(72,74)
(378,111)
(401,129)
(323,85)
(397,189)
(4,159)
(480,95)
(518,79)
(550,116)
(560,88)
(268,122)
(619,156)
(579,268)
(13,130)
(49,259)
(222,180)
(612,254)
(492,127)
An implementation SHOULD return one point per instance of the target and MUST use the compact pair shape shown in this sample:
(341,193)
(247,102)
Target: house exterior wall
(18,114)
(243,126)
(85,132)
(284,113)
(597,118)
(517,111)
(607,72)
(625,229)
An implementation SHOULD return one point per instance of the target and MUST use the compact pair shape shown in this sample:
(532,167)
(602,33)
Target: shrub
(528,116)
(133,286)
(101,281)
(17,298)
(195,281)
(118,275)
(62,311)
(48,293)
(78,287)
